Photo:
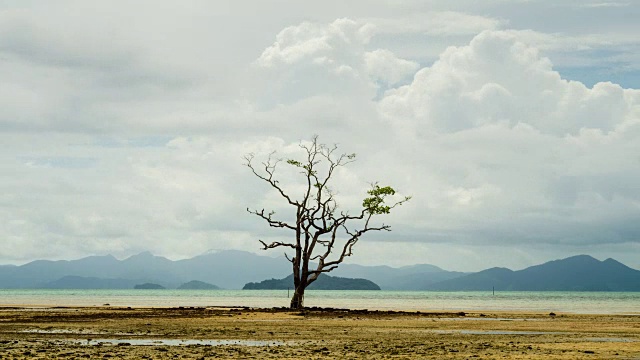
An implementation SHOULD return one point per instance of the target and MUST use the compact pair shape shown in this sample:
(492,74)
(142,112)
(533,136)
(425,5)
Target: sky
(514,125)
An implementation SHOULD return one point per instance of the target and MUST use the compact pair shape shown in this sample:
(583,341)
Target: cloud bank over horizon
(124,129)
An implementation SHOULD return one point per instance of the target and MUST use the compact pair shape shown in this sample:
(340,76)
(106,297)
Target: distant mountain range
(226,269)
(577,273)
(413,277)
(233,269)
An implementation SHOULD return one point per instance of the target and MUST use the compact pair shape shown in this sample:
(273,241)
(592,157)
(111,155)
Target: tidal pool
(178,342)
(496,332)
(612,339)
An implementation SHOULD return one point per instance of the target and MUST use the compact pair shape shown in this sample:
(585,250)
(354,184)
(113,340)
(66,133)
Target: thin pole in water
(493,289)
(288,292)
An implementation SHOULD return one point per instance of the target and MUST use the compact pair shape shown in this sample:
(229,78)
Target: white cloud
(314,42)
(521,155)
(436,23)
(384,66)
(500,79)
(605,4)
(331,56)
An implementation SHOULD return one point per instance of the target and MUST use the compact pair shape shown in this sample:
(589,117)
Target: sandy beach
(203,333)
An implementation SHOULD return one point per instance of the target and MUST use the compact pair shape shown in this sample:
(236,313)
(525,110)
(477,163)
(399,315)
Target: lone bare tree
(320,228)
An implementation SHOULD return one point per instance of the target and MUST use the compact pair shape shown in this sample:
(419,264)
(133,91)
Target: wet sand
(232,333)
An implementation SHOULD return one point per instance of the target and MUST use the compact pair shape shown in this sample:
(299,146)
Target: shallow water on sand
(573,302)
(175,342)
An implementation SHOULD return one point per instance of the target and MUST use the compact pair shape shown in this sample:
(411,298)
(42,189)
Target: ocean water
(572,302)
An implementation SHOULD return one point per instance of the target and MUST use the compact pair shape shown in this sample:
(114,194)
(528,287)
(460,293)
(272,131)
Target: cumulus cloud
(529,156)
(497,78)
(383,65)
(315,41)
(332,55)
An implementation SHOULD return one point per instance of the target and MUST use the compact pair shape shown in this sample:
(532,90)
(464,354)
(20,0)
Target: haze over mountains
(233,269)
(577,273)
(226,269)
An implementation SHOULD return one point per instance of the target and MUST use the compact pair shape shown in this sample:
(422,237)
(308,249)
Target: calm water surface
(575,302)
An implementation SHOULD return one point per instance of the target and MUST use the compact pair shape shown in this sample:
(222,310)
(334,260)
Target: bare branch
(267,218)
(275,244)
(324,270)
(269,169)
(288,258)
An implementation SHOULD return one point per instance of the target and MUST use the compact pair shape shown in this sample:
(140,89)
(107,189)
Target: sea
(527,301)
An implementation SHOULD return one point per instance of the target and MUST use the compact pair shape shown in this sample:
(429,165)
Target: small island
(324,282)
(148,286)
(197,285)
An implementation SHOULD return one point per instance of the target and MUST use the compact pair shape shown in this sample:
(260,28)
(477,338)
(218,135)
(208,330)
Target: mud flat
(203,333)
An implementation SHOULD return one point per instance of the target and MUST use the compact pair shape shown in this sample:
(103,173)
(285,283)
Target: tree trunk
(297,300)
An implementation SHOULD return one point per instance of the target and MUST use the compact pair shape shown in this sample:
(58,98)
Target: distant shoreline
(534,302)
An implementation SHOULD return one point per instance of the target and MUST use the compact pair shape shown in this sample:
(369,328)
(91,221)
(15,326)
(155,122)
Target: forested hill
(324,282)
